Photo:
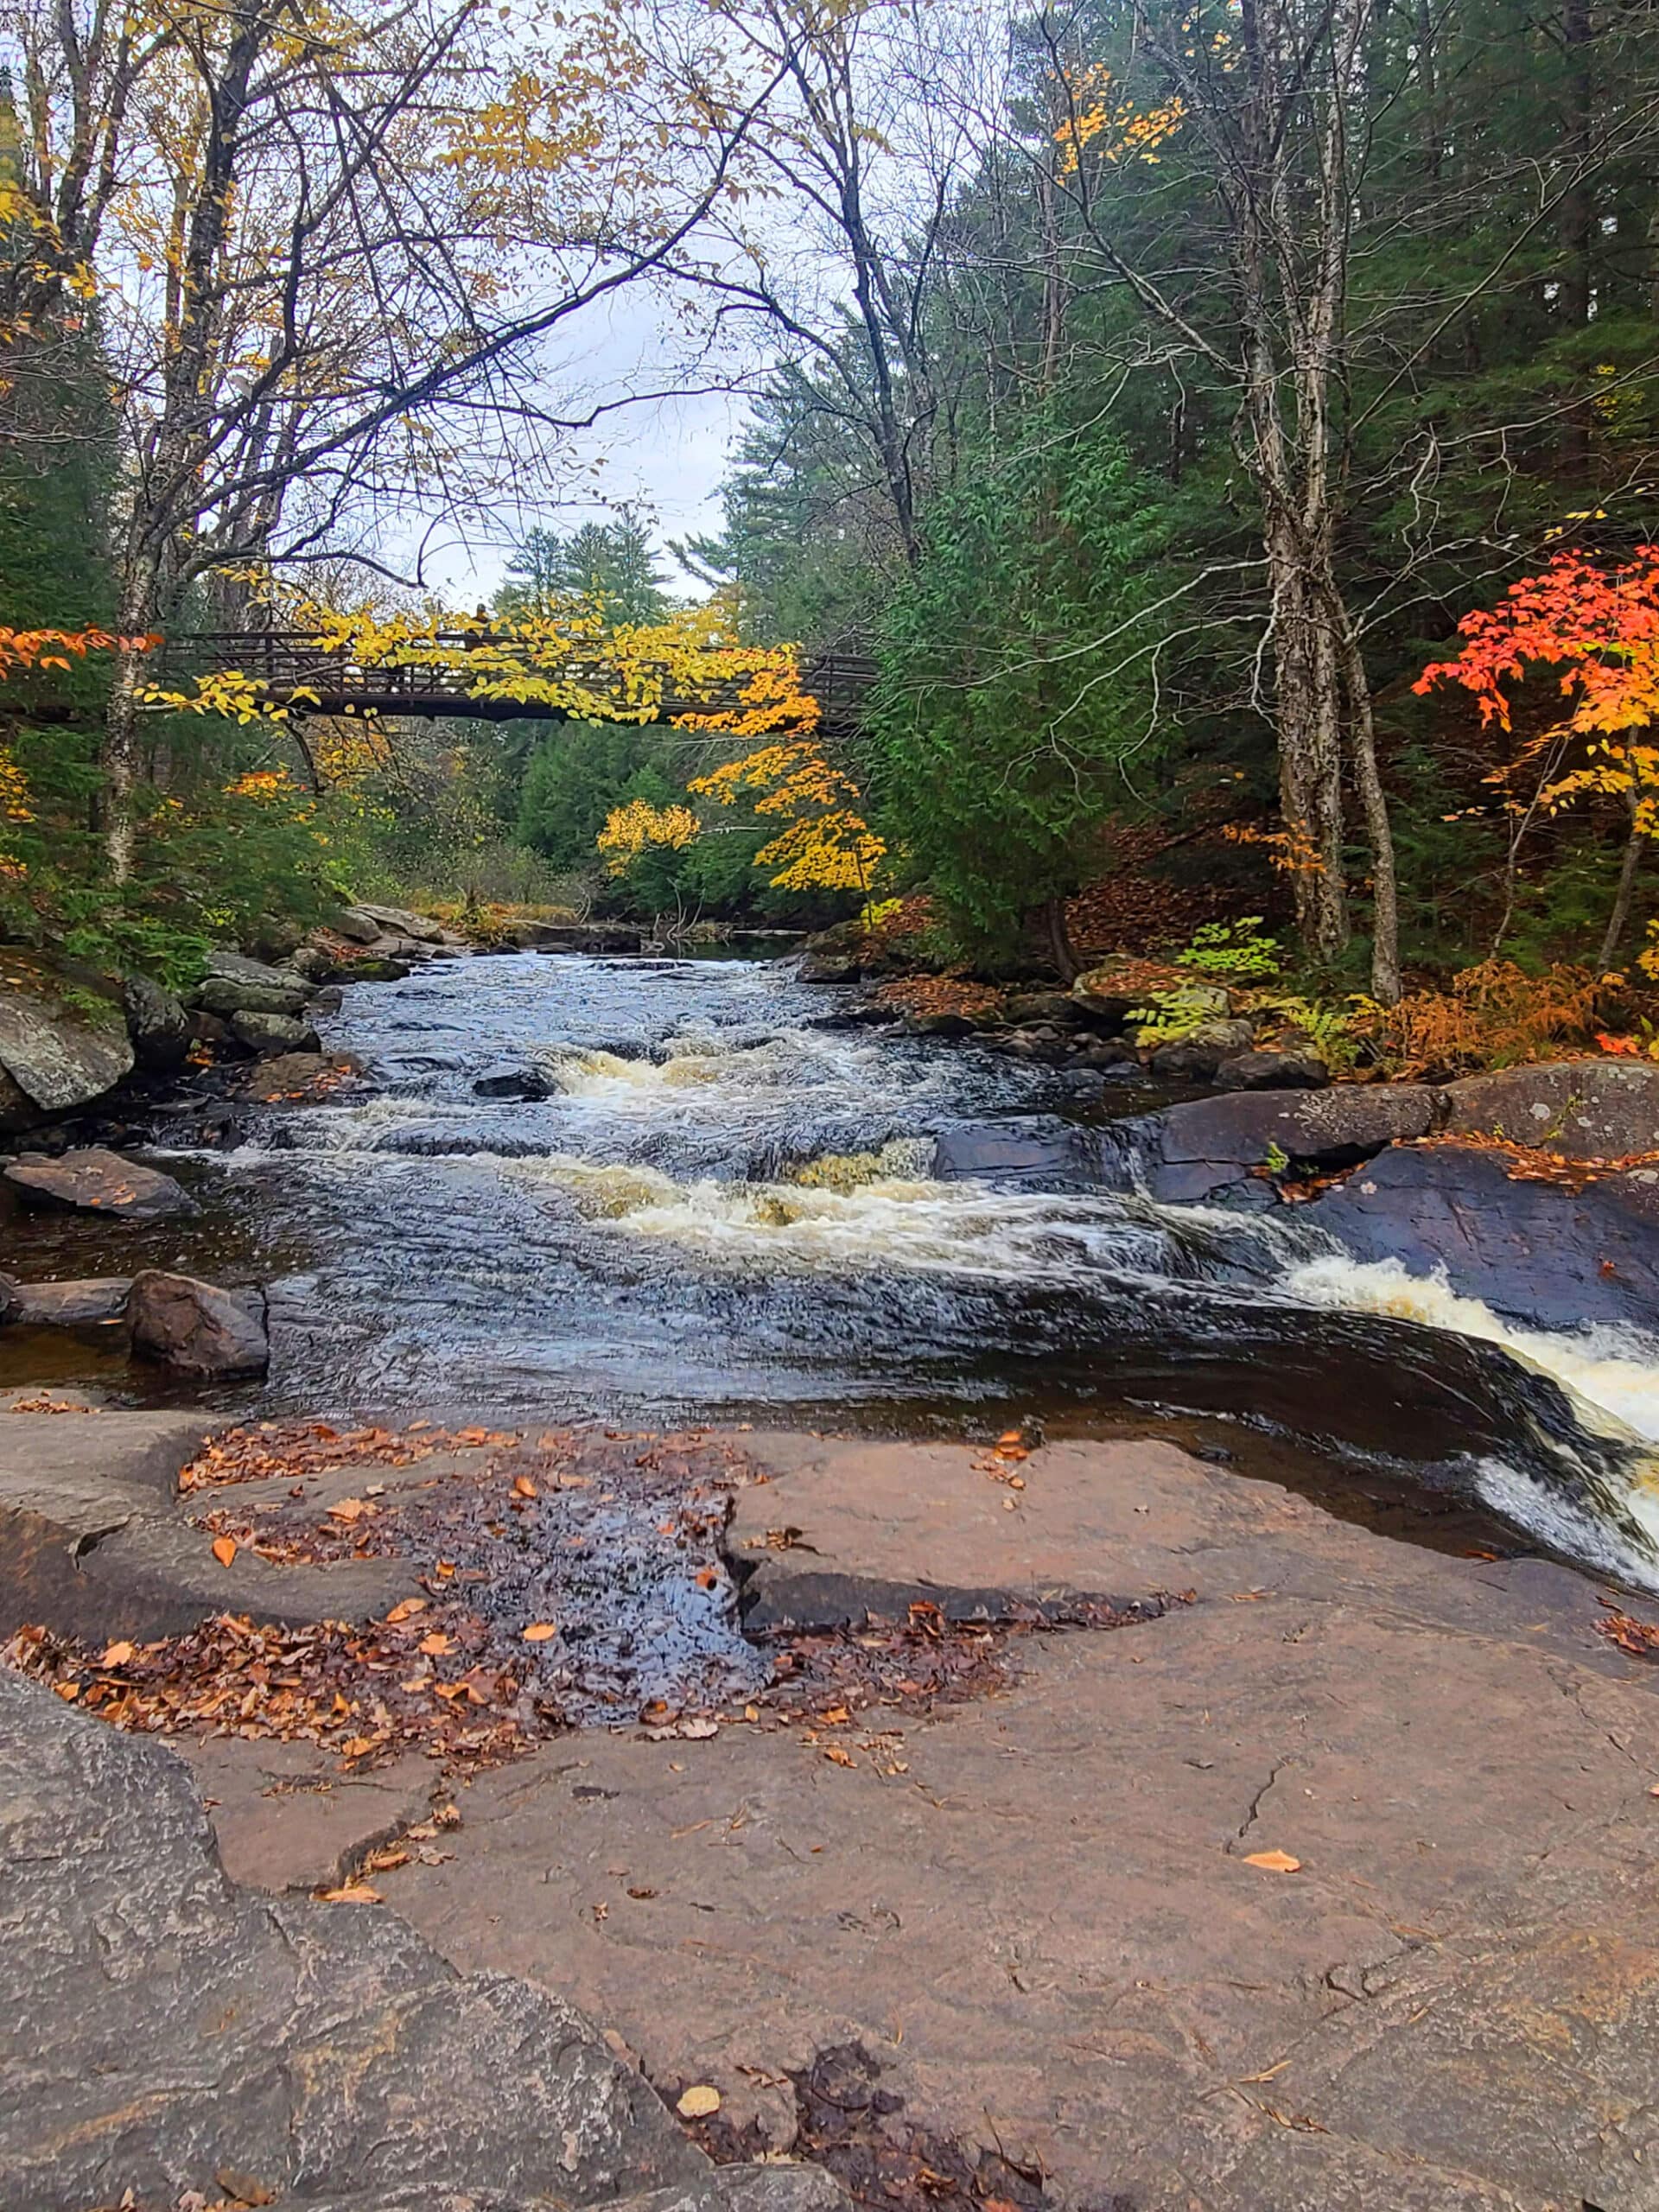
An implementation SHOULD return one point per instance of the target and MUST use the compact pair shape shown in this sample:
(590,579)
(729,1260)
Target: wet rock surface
(197,1328)
(279,2052)
(96,1180)
(1212,1146)
(1548,1257)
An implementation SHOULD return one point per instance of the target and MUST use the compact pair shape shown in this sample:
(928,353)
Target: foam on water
(1612,1374)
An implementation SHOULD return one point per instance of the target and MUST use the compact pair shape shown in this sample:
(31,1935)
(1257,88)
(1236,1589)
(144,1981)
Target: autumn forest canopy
(1229,433)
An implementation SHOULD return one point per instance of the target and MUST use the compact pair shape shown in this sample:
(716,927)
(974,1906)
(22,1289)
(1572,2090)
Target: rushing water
(721,1208)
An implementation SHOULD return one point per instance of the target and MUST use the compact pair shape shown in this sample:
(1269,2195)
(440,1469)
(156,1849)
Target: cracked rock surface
(1038,1910)
(163,2031)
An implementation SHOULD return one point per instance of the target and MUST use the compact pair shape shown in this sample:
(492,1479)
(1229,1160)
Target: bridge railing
(287,661)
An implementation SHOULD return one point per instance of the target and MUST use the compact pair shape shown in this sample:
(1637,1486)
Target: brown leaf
(350,1893)
(436,1644)
(700,2102)
(539,1631)
(525,1487)
(405,1609)
(224,1549)
(243,2189)
(841,1758)
(116,1655)
(1275,1862)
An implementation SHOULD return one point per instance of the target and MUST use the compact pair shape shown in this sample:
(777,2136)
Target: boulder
(398,921)
(229,995)
(1272,1071)
(208,1029)
(1112,991)
(373,969)
(1107,1053)
(356,926)
(63,1039)
(1534,1252)
(508,1080)
(1211,1145)
(827,967)
(254,2050)
(940,1025)
(1589,1109)
(276,936)
(1196,1056)
(197,1328)
(1024,1008)
(298,1075)
(270,1034)
(98,1181)
(94,1300)
(313,964)
(157,1024)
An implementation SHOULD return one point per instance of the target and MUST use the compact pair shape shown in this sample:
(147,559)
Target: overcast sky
(663,457)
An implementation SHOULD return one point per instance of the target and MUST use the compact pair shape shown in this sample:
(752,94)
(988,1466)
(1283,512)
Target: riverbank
(1193,1864)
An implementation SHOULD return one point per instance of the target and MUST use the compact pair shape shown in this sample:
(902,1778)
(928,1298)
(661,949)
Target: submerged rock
(63,1040)
(96,1180)
(196,1327)
(281,2051)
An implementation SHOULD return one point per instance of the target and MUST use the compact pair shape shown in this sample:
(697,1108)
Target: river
(723,1210)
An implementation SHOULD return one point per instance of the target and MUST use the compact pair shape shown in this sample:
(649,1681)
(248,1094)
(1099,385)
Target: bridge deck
(288,662)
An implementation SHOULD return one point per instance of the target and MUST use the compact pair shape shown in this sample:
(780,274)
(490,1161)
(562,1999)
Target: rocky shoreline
(1306,1867)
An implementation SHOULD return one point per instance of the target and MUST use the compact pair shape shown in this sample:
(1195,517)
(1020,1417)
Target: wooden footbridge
(296,670)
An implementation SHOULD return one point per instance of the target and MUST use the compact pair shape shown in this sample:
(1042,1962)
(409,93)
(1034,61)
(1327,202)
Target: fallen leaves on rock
(1274,1862)
(1639,1638)
(1529,1163)
(574,1580)
(863,2134)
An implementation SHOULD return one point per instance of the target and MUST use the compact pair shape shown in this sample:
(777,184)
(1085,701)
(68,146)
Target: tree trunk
(1309,721)
(1385,887)
(1061,948)
(1619,920)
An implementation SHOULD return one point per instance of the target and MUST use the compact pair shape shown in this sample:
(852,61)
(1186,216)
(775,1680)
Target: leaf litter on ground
(576,1579)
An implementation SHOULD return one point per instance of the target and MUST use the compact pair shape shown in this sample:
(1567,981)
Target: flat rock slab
(163,2031)
(91,1301)
(96,1180)
(1039,1908)
(94,1540)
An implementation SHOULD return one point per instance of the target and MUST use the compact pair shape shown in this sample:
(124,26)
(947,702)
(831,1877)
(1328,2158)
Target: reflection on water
(720,1208)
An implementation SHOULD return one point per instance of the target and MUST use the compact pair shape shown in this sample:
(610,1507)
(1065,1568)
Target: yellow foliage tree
(630,830)
(826,844)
